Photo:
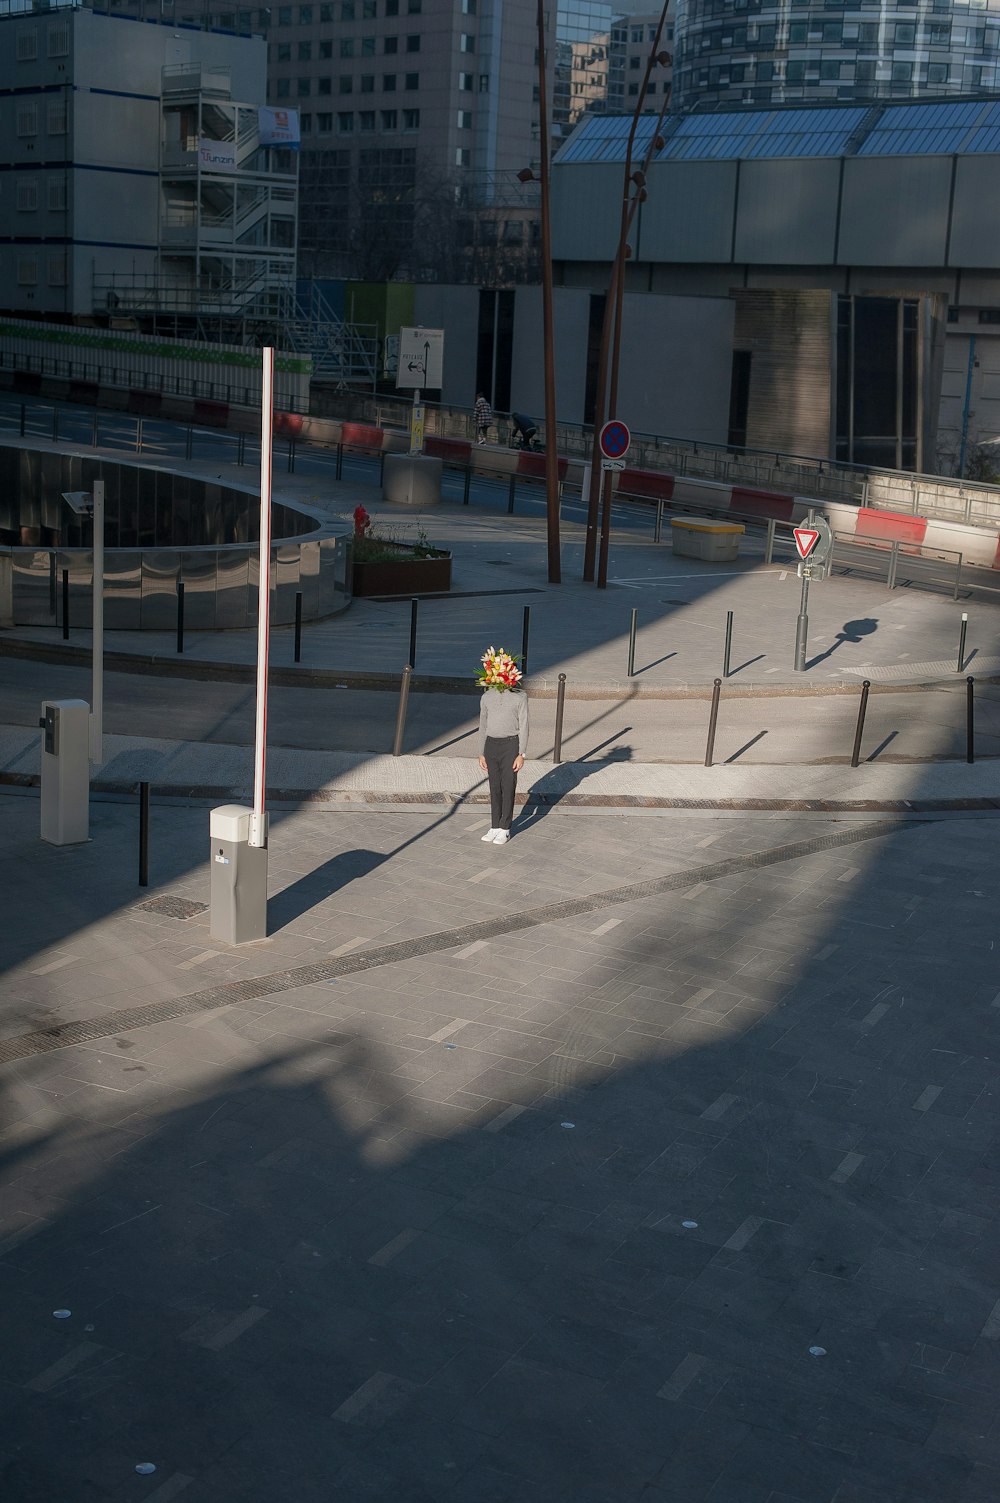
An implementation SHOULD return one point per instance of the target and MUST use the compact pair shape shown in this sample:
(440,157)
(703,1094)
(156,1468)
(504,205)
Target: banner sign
(217,156)
(278,127)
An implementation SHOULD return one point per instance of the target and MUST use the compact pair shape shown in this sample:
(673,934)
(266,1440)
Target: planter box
(403,576)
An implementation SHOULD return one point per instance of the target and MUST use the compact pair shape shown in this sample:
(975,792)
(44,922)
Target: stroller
(524,431)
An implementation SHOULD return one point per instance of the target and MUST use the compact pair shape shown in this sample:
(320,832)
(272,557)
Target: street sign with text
(421,359)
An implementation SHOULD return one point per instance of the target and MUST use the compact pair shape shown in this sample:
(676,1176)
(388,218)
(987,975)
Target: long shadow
(851,631)
(564,780)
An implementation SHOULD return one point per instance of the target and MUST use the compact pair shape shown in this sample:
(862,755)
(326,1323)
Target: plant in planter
(382,565)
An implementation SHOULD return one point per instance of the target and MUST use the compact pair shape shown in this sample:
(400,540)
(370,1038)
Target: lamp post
(633,193)
(91,504)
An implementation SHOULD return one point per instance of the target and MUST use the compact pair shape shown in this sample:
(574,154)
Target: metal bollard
(22,419)
(143,834)
(65,594)
(180,615)
(95,431)
(859,732)
(713,721)
(55,425)
(729,644)
(381,468)
(510,495)
(560,703)
(241,449)
(138,435)
(298,626)
(414,603)
(631,642)
(893,566)
(658,529)
(525,621)
(468,482)
(188,443)
(961,642)
(291,456)
(339,470)
(769,543)
(404,695)
(970,723)
(52,584)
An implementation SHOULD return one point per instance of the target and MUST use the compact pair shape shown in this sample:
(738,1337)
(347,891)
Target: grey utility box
(238,887)
(65,792)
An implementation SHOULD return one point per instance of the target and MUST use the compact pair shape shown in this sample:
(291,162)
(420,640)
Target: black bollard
(298,626)
(338,472)
(970,721)
(729,644)
(143,834)
(961,642)
(859,732)
(404,695)
(291,456)
(65,593)
(468,482)
(631,642)
(188,443)
(713,721)
(414,603)
(524,638)
(52,584)
(510,495)
(560,703)
(180,615)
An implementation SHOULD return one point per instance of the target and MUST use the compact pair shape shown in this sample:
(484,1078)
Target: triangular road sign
(806,539)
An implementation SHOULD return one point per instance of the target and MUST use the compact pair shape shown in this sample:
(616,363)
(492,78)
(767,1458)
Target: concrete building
(137,181)
(776,53)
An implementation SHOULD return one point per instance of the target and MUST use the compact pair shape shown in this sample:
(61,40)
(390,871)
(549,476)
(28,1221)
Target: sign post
(813,543)
(420,364)
(614,440)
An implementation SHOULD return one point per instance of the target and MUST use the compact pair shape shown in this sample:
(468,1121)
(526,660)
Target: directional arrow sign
(806,539)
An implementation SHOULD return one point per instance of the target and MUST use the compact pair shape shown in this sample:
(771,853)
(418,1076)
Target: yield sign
(806,539)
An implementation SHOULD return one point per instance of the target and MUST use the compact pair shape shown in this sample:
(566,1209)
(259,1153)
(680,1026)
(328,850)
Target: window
(465,80)
(633,89)
(369,9)
(411,119)
(795,72)
(413,7)
(304,87)
(347,46)
(466,42)
(637,34)
(388,83)
(829,71)
(284,52)
(953,315)
(939,35)
(326,49)
(283,88)
(390,119)
(285,15)
(869,33)
(468,7)
(937,73)
(325,14)
(465,119)
(634,62)
(58,40)
(27,195)
(306,124)
(57,195)
(345,84)
(833,33)
(651,88)
(345,123)
(305,52)
(27,271)
(484,83)
(463,157)
(347,10)
(305,15)
(57,117)
(989,315)
(413,43)
(323,85)
(366,120)
(324,123)
(392,7)
(27,44)
(902,72)
(798,34)
(27,119)
(905,34)
(866,71)
(411,81)
(367,46)
(367,83)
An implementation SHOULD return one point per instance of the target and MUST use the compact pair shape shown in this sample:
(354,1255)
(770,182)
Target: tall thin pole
(548,337)
(257,831)
(97,649)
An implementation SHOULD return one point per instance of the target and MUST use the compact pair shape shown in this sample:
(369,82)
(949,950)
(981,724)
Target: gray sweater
(504,712)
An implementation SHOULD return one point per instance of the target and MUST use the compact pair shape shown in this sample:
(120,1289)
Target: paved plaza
(651,1156)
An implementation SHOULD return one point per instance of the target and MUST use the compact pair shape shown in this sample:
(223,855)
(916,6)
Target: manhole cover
(178,908)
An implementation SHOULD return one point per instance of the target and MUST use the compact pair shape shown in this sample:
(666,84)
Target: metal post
(631,642)
(143,834)
(97,644)
(524,638)
(52,583)
(258,819)
(970,727)
(729,644)
(859,732)
(65,594)
(713,721)
(55,425)
(961,642)
(22,419)
(241,449)
(188,443)
(510,495)
(138,435)
(291,456)
(468,481)
(560,702)
(338,472)
(893,565)
(95,430)
(298,626)
(404,694)
(769,543)
(381,468)
(802,627)
(180,615)
(414,603)
(658,529)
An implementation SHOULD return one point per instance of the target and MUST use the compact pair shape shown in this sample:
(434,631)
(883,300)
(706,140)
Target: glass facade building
(792,51)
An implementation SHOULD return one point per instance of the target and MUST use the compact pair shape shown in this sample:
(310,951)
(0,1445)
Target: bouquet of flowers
(499,670)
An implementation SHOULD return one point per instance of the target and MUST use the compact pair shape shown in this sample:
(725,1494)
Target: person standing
(484,417)
(503,736)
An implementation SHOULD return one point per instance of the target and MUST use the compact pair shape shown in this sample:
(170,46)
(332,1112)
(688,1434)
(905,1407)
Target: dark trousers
(500,752)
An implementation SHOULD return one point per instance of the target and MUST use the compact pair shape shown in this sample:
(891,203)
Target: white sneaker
(501,837)
(491,835)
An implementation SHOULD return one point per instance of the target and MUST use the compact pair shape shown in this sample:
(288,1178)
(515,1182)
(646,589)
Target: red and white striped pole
(258,829)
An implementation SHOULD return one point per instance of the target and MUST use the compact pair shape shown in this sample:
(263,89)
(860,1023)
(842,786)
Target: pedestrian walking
(524,431)
(503,736)
(484,417)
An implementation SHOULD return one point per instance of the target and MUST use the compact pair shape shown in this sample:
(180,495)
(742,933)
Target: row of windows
(345,85)
(796,71)
(365,120)
(351,10)
(831,34)
(27,271)
(281,52)
(27,195)
(56,37)
(28,118)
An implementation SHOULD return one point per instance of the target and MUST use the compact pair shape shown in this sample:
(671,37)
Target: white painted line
(826,952)
(187,965)
(129,1219)
(478,944)
(480,824)
(607,926)
(389,1251)
(927,1098)
(991,1330)
(363,1396)
(719,1107)
(445,1033)
(742,1234)
(173,1485)
(682,1376)
(507,1115)
(481,876)
(700,997)
(877,1012)
(783,574)
(694,892)
(54,965)
(229,1332)
(850,874)
(48,1379)
(708,840)
(846,1167)
(350,944)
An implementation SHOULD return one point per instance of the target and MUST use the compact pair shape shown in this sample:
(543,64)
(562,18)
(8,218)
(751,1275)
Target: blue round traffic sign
(615,439)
